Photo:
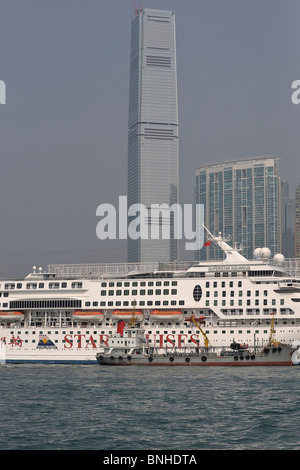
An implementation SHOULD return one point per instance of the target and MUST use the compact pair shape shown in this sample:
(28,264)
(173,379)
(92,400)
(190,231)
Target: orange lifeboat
(11,316)
(166,315)
(126,315)
(87,316)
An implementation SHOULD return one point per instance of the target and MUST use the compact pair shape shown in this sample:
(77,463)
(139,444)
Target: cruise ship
(66,313)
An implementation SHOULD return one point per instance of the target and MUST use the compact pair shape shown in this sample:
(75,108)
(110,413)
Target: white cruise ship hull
(65,315)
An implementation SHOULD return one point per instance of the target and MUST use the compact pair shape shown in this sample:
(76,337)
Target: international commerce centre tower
(153,173)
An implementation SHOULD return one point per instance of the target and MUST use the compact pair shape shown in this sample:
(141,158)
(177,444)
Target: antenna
(138,9)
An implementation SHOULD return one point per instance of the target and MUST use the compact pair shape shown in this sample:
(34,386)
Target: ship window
(52,285)
(9,286)
(197,293)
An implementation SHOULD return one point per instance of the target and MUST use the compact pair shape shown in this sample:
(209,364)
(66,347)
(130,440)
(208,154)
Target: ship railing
(98,270)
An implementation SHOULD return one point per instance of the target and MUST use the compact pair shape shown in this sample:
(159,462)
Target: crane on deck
(194,320)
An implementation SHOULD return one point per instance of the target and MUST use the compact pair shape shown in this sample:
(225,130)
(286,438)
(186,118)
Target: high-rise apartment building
(287,221)
(297,222)
(241,198)
(153,173)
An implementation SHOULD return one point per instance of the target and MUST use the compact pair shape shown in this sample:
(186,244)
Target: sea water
(77,407)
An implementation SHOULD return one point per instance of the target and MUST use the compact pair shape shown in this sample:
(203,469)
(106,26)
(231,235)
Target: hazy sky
(63,130)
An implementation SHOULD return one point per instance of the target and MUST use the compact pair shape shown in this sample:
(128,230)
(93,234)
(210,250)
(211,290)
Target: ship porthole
(235,358)
(171,359)
(187,359)
(252,357)
(112,358)
(150,359)
(129,358)
(203,358)
(197,293)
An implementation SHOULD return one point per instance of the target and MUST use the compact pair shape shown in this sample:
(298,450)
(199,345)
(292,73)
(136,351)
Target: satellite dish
(279,258)
(265,253)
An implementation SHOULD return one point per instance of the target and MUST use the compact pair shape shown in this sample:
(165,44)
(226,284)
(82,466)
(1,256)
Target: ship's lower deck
(43,340)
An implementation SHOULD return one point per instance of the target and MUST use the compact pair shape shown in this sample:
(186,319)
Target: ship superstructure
(68,313)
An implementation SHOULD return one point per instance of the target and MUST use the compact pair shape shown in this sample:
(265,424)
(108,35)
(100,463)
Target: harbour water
(77,407)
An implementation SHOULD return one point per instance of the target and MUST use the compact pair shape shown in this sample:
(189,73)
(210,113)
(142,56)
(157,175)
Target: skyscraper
(287,221)
(241,198)
(297,222)
(153,174)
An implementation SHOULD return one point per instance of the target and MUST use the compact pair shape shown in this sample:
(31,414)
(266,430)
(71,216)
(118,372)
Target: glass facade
(241,199)
(297,222)
(153,173)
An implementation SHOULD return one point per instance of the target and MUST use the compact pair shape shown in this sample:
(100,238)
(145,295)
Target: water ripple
(89,407)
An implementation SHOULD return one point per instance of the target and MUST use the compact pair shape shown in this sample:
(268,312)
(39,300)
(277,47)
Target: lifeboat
(126,315)
(11,316)
(87,316)
(166,315)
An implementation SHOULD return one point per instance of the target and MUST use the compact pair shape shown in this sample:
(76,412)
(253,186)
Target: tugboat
(130,346)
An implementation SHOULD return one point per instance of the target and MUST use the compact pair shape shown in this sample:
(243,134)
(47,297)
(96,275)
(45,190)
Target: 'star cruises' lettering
(82,341)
